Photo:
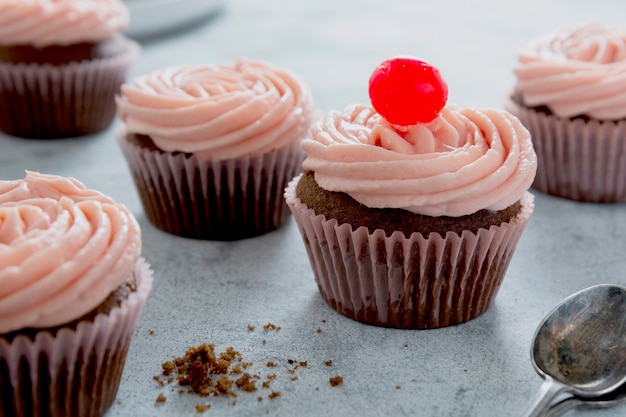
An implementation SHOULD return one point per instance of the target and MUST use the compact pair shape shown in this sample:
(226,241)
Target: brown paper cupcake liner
(56,101)
(75,372)
(214,200)
(416,283)
(579,159)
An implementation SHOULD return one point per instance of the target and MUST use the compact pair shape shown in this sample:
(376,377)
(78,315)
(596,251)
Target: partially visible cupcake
(72,286)
(410,212)
(571,94)
(212,147)
(61,64)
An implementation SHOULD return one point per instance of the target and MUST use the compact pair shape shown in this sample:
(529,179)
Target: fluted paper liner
(418,282)
(579,159)
(75,372)
(214,200)
(54,101)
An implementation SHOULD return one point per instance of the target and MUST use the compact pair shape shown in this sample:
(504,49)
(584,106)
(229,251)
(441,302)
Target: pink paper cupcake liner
(415,283)
(582,160)
(75,372)
(214,200)
(56,101)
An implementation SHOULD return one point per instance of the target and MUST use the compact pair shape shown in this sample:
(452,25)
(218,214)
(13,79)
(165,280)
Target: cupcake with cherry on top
(410,209)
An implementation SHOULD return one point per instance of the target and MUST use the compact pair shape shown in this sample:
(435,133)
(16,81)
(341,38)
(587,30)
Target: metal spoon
(604,401)
(580,347)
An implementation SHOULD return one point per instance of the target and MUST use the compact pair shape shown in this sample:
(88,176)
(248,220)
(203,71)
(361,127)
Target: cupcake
(72,285)
(61,65)
(211,148)
(571,94)
(410,210)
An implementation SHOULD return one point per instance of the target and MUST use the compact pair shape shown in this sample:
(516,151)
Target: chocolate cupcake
(410,211)
(212,147)
(61,64)
(72,286)
(571,94)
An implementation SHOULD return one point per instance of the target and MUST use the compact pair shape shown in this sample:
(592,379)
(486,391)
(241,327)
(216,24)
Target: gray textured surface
(211,291)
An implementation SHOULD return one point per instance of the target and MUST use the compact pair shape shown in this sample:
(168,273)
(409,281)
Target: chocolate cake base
(578,158)
(84,387)
(212,200)
(63,54)
(343,208)
(406,278)
(62,91)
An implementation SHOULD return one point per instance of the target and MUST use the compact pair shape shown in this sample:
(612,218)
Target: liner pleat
(75,372)
(54,101)
(214,200)
(583,160)
(417,282)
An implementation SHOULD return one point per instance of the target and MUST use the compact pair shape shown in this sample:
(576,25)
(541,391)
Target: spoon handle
(543,399)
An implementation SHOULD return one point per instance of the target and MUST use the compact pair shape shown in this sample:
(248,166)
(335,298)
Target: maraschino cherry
(406,91)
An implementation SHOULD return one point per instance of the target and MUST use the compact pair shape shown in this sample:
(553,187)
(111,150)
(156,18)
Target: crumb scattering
(336,380)
(273,395)
(271,326)
(201,408)
(208,373)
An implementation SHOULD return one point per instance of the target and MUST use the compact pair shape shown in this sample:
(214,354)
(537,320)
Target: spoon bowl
(580,346)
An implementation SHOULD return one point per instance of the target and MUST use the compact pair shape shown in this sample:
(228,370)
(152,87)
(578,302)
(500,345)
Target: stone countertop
(211,292)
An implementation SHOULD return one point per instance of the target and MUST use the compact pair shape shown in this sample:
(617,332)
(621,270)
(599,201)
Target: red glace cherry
(407,91)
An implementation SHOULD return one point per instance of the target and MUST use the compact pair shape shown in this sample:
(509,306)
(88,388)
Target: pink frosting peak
(576,70)
(63,250)
(463,161)
(218,111)
(60,22)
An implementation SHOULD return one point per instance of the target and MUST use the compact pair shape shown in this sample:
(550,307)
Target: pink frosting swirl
(63,250)
(577,70)
(218,111)
(463,161)
(60,22)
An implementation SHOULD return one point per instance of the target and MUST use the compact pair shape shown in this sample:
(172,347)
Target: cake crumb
(328,362)
(336,380)
(304,363)
(271,326)
(294,378)
(208,373)
(151,332)
(318,331)
(259,399)
(251,327)
(263,342)
(273,395)
(201,408)
(323,321)
(398,387)
(161,398)
(271,364)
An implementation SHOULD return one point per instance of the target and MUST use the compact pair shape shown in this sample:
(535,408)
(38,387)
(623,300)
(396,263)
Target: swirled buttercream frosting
(463,161)
(218,112)
(63,250)
(576,70)
(60,22)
